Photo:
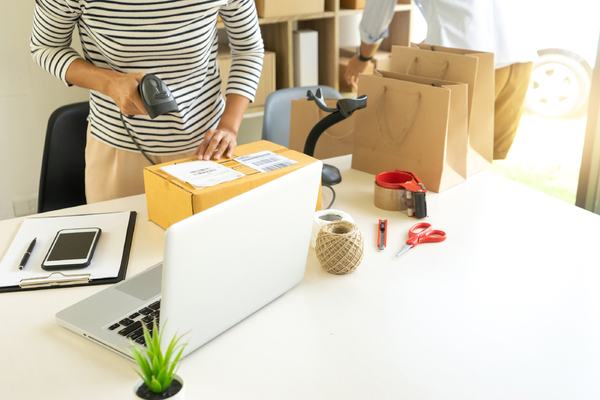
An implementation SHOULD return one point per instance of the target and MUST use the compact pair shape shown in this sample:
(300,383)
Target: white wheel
(559,86)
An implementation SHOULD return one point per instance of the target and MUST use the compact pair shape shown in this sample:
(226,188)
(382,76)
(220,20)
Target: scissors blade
(406,247)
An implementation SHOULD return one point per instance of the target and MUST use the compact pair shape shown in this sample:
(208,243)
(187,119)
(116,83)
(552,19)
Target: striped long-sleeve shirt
(174,39)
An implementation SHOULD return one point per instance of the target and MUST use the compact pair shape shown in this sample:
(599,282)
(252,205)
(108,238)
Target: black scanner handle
(318,98)
(344,109)
(348,106)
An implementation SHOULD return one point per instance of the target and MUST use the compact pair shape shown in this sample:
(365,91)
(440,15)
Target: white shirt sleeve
(376,17)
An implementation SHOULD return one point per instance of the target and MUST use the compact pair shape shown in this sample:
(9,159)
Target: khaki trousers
(112,173)
(512,83)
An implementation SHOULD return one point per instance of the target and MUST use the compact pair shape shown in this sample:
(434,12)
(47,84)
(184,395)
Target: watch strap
(360,57)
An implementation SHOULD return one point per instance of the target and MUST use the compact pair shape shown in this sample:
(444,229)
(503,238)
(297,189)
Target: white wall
(28,95)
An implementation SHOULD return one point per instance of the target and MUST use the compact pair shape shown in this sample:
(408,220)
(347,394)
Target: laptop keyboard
(131,326)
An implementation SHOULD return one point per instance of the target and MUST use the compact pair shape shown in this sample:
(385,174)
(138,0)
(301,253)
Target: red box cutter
(382,235)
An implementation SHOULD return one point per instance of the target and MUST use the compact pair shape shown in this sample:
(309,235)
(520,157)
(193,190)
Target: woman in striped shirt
(175,40)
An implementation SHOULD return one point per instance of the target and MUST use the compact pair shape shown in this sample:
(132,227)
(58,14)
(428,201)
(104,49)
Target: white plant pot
(178,396)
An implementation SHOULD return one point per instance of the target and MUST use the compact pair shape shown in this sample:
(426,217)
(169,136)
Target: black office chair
(62,179)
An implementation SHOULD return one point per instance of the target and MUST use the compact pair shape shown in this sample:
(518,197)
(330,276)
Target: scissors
(425,235)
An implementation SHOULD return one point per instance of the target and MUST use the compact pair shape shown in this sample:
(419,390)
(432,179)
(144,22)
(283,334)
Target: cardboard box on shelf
(382,60)
(283,8)
(344,87)
(170,200)
(353,4)
(266,84)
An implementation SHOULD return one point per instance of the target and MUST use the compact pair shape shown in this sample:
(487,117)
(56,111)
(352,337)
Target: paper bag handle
(403,132)
(441,75)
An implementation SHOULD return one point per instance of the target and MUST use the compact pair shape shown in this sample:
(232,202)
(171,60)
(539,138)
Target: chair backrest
(62,179)
(278,111)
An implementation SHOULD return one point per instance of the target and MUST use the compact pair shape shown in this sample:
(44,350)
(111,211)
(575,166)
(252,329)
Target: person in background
(175,40)
(495,26)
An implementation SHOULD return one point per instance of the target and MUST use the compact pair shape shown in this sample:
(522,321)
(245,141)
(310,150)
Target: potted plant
(157,371)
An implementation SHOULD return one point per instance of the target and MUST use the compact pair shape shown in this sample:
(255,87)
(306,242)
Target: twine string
(410,65)
(399,137)
(340,247)
(441,74)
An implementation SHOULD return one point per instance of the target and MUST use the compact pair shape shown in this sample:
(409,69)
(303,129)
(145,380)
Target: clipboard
(123,228)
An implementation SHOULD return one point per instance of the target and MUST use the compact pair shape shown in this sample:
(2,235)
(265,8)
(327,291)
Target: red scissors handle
(426,235)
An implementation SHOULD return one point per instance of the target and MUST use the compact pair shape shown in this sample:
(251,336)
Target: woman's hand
(216,143)
(222,141)
(123,89)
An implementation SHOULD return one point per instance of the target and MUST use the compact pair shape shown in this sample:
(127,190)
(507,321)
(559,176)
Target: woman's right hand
(123,89)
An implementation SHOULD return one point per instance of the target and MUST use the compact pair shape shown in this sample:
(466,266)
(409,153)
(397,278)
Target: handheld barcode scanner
(157,99)
(156,96)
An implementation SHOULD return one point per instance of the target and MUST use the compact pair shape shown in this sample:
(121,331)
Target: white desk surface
(508,307)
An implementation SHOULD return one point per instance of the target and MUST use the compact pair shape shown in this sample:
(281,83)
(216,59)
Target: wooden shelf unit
(277,35)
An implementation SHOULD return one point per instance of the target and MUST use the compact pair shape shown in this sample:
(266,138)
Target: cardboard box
(382,60)
(343,64)
(266,84)
(170,200)
(283,8)
(353,4)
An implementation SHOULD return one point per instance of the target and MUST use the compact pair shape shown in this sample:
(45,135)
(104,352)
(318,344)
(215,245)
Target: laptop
(219,267)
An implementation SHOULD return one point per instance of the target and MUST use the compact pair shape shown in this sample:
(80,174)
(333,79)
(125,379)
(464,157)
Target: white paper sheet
(106,261)
(201,174)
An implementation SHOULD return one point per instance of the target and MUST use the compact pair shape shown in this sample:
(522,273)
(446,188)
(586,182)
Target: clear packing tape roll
(324,217)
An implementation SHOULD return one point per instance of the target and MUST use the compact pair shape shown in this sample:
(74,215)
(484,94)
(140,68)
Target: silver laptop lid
(227,262)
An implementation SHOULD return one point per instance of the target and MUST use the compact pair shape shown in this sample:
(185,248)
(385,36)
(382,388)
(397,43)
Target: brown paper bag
(473,68)
(415,124)
(334,142)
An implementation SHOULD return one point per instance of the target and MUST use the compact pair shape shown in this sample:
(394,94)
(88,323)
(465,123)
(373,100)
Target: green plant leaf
(171,347)
(163,376)
(156,368)
(174,364)
(142,362)
(156,386)
(158,340)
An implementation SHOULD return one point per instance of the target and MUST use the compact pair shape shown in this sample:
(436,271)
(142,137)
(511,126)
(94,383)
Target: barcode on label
(266,161)
(269,160)
(277,166)
(202,171)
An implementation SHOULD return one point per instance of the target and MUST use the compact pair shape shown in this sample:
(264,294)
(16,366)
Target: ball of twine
(340,247)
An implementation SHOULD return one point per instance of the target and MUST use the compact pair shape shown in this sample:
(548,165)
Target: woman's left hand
(216,143)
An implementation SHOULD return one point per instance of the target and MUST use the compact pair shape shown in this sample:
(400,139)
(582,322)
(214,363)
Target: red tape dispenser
(397,190)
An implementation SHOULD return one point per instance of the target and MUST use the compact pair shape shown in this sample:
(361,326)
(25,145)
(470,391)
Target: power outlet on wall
(25,205)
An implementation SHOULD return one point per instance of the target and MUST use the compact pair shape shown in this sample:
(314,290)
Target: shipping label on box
(170,200)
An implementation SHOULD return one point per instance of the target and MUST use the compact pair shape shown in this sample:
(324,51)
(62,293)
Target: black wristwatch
(360,57)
